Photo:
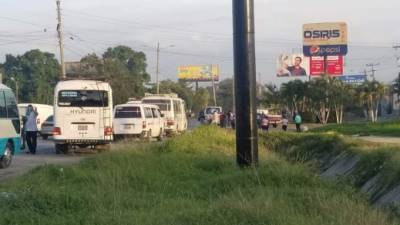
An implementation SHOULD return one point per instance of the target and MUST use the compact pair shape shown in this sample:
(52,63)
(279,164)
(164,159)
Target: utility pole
(61,40)
(373,70)
(213,84)
(158,68)
(245,83)
(396,47)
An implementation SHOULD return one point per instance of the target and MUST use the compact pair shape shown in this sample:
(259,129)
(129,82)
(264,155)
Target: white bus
(173,110)
(10,127)
(135,119)
(82,115)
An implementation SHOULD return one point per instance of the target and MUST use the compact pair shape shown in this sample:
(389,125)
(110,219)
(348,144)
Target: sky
(200,31)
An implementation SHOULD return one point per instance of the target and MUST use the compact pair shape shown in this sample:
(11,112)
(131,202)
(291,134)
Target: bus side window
(3,108)
(12,108)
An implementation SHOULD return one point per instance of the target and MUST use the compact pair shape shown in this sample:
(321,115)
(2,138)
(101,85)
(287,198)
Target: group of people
(224,119)
(30,129)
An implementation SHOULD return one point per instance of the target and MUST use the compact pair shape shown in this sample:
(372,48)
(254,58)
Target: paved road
(23,162)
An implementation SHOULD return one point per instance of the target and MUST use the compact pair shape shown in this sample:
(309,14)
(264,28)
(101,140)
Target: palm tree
(370,94)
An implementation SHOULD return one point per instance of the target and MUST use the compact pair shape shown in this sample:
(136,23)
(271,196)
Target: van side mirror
(162,115)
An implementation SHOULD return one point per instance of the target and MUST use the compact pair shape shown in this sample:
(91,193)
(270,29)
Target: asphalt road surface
(45,154)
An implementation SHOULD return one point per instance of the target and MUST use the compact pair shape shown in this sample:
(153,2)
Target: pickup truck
(274,116)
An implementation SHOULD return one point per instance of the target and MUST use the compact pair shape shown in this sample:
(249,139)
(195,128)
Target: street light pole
(158,68)
(245,83)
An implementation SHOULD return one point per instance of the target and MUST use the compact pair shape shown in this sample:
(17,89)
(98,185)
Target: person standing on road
(23,132)
(297,120)
(264,123)
(31,128)
(285,123)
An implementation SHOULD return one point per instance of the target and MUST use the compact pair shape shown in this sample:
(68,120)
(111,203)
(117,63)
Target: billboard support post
(245,83)
(213,85)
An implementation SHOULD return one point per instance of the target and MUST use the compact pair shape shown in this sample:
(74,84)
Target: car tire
(160,137)
(62,148)
(6,159)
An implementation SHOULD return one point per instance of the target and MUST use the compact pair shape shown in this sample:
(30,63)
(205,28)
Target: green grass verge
(320,149)
(192,179)
(389,128)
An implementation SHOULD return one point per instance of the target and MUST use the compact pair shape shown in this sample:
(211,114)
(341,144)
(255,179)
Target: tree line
(321,99)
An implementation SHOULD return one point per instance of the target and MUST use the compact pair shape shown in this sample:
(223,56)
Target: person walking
(264,123)
(31,128)
(297,120)
(285,123)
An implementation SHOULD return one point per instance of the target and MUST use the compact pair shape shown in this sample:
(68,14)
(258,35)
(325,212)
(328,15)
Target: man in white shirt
(31,128)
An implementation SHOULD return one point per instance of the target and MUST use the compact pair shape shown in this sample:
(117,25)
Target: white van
(173,110)
(10,127)
(82,114)
(135,119)
(45,111)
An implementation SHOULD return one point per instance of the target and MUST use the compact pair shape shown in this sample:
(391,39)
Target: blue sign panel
(324,50)
(353,79)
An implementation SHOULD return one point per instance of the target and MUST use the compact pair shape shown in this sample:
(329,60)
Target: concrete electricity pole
(158,68)
(245,83)
(373,70)
(213,85)
(61,40)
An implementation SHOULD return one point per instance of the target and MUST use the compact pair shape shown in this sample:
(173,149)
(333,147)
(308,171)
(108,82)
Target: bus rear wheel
(5,160)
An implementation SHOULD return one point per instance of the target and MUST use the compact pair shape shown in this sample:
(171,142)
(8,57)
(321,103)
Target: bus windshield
(165,105)
(83,98)
(128,112)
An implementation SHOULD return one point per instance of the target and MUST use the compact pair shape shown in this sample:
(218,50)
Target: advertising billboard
(293,65)
(353,79)
(335,65)
(325,39)
(198,73)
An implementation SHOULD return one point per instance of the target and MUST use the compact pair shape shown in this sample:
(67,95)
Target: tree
(36,73)
(122,67)
(225,94)
(370,94)
(200,99)
(319,95)
(293,95)
(271,96)
(340,94)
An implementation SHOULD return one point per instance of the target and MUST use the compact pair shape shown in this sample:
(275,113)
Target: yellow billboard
(198,72)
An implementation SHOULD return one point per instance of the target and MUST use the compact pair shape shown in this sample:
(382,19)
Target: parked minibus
(82,115)
(135,119)
(10,127)
(173,109)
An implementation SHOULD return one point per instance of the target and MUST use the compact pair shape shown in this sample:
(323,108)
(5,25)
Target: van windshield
(82,98)
(128,112)
(164,105)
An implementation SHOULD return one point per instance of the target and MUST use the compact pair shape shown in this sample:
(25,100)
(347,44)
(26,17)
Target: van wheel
(160,137)
(61,148)
(6,159)
(149,136)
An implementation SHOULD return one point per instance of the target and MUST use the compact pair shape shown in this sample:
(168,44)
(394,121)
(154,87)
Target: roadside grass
(319,149)
(191,179)
(388,128)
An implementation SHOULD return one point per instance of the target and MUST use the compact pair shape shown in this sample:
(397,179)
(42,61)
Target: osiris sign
(328,34)
(324,39)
